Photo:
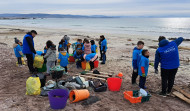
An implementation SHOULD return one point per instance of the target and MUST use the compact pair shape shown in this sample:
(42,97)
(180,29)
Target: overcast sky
(99,7)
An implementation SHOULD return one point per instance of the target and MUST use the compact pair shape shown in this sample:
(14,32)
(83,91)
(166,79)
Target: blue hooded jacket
(144,62)
(136,57)
(77,56)
(104,44)
(90,56)
(167,54)
(18,49)
(63,59)
(93,48)
(26,48)
(63,45)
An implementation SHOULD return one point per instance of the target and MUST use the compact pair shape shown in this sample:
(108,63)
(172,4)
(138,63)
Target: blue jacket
(63,57)
(26,48)
(63,45)
(93,48)
(136,57)
(144,62)
(17,50)
(167,54)
(90,56)
(77,56)
(104,44)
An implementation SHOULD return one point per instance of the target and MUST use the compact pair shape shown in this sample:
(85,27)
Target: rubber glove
(143,75)
(152,64)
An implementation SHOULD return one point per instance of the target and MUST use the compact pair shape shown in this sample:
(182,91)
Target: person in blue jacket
(143,68)
(93,46)
(29,50)
(78,55)
(18,51)
(103,48)
(62,44)
(167,54)
(63,58)
(91,58)
(137,52)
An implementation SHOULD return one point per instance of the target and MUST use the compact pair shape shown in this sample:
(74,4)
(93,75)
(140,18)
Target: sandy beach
(120,47)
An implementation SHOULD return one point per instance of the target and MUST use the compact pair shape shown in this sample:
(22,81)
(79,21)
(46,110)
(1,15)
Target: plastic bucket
(83,64)
(114,84)
(78,95)
(58,98)
(96,64)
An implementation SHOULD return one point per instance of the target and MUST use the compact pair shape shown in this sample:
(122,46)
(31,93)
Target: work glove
(152,64)
(135,70)
(156,71)
(143,75)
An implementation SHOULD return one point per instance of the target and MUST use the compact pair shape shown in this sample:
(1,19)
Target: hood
(92,42)
(15,45)
(136,48)
(53,47)
(163,43)
(63,52)
(87,45)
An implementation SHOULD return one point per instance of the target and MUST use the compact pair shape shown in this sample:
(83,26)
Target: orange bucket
(78,95)
(83,64)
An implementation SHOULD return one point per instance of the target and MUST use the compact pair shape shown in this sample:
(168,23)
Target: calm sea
(170,27)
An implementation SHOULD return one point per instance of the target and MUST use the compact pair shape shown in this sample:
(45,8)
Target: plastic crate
(129,96)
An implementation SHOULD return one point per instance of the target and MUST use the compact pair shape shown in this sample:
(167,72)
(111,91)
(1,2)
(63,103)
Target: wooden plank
(92,77)
(181,96)
(182,91)
(103,73)
(98,75)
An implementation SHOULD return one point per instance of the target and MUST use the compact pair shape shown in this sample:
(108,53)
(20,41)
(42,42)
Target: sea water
(170,27)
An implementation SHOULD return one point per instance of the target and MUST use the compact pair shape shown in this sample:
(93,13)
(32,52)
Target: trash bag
(33,86)
(38,61)
(87,66)
(23,62)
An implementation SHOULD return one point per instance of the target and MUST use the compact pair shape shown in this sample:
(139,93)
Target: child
(91,58)
(78,54)
(50,55)
(136,58)
(62,44)
(103,48)
(18,51)
(74,45)
(93,46)
(143,68)
(87,47)
(63,58)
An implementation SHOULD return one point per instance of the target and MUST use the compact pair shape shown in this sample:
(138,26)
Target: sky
(99,7)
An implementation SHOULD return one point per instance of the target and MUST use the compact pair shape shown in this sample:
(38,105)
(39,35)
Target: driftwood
(181,96)
(91,77)
(184,48)
(104,73)
(176,38)
(97,75)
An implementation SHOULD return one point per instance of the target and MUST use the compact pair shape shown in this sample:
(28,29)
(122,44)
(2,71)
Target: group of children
(82,51)
(140,64)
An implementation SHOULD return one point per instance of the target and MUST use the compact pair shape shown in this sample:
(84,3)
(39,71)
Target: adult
(167,54)
(28,49)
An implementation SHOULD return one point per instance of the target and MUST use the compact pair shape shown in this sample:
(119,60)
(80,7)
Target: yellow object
(87,66)
(23,62)
(58,60)
(33,86)
(38,61)
(96,50)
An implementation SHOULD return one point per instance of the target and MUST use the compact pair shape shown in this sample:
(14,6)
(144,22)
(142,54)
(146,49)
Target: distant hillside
(25,16)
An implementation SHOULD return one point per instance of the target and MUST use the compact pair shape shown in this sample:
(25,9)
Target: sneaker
(168,93)
(20,65)
(134,84)
(162,94)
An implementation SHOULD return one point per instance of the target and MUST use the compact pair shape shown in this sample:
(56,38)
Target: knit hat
(16,40)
